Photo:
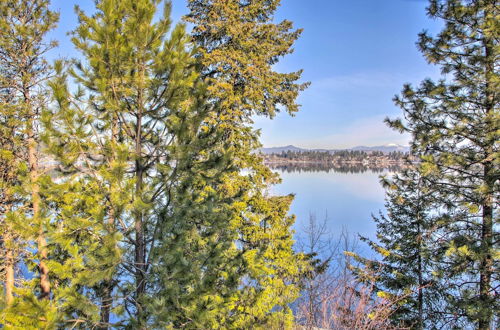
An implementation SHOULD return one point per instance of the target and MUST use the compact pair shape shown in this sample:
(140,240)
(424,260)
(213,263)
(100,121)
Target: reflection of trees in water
(336,168)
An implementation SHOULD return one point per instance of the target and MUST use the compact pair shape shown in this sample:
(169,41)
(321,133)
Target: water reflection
(346,195)
(357,168)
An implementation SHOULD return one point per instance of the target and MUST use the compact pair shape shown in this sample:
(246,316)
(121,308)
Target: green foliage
(239,43)
(23,71)
(455,127)
(154,210)
(233,241)
(405,244)
(139,92)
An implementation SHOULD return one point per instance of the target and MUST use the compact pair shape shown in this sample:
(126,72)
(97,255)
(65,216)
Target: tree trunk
(420,285)
(420,268)
(9,272)
(106,303)
(486,263)
(35,196)
(108,286)
(486,267)
(9,258)
(106,294)
(140,260)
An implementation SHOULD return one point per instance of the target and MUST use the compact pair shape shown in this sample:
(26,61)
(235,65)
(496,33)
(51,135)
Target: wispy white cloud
(343,111)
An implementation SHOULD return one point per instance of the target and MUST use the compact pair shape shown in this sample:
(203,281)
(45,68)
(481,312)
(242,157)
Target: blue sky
(357,54)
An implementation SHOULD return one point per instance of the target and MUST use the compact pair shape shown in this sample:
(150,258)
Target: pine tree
(23,71)
(11,157)
(47,225)
(138,96)
(405,245)
(455,127)
(86,198)
(237,45)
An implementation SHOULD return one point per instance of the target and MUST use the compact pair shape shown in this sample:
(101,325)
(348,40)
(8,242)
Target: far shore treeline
(341,158)
(133,194)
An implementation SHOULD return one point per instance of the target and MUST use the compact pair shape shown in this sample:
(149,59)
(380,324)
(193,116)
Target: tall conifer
(238,43)
(405,245)
(85,196)
(23,72)
(455,127)
(140,87)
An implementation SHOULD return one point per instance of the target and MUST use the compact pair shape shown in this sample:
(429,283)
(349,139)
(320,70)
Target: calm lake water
(345,197)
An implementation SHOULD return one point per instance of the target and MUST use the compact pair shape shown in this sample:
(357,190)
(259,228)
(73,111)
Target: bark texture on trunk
(108,285)
(35,199)
(140,246)
(9,273)
(486,266)
(106,303)
(486,263)
(32,145)
(420,285)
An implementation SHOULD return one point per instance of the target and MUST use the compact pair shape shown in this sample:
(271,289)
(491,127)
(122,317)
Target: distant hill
(385,148)
(278,150)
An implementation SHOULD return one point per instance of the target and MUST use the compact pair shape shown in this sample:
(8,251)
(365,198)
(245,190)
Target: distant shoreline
(354,158)
(366,162)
